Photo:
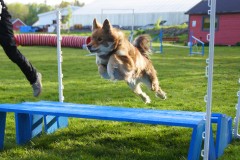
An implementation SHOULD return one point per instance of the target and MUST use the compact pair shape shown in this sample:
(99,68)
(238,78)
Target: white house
(49,18)
(134,12)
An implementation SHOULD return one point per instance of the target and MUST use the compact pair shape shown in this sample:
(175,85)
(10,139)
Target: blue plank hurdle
(30,115)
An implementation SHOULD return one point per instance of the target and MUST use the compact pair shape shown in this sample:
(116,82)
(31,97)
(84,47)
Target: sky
(49,2)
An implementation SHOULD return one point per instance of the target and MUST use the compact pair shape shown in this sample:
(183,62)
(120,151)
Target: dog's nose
(89,47)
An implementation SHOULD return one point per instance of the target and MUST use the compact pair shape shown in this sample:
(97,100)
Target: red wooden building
(227,30)
(17,23)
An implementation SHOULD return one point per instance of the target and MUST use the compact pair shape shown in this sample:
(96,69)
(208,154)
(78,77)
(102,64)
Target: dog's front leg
(102,67)
(102,70)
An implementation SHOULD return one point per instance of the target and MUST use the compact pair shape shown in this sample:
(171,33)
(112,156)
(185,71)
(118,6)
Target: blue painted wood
(224,133)
(193,120)
(223,136)
(50,103)
(212,149)
(220,136)
(230,130)
(196,142)
(62,122)
(50,124)
(148,116)
(2,128)
(23,127)
(36,122)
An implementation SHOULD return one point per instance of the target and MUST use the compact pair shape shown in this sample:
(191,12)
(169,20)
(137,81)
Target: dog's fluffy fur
(118,59)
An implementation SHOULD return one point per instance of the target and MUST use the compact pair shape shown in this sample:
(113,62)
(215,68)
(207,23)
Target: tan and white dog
(118,59)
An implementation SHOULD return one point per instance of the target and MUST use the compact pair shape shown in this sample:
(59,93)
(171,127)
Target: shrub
(238,44)
(78,26)
(139,32)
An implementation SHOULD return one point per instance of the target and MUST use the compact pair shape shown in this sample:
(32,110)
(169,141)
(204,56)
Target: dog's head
(104,39)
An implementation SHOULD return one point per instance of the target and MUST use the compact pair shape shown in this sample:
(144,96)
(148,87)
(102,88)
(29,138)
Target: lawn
(181,76)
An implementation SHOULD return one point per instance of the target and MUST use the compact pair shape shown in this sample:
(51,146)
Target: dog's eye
(99,39)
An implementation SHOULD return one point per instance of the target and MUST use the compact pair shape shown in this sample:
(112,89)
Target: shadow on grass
(116,141)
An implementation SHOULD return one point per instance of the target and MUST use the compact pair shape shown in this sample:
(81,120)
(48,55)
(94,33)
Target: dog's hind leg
(152,83)
(136,88)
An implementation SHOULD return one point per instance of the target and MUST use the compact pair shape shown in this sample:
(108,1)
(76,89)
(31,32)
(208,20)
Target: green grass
(181,76)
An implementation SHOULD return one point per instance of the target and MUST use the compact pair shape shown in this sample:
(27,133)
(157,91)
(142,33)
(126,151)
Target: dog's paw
(105,76)
(161,95)
(148,101)
(145,98)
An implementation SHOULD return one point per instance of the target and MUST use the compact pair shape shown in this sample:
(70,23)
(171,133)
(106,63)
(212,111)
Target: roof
(62,10)
(47,17)
(222,6)
(139,6)
(17,19)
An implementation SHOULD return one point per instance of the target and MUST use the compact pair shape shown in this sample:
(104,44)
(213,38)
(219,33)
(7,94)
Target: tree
(64,4)
(77,3)
(44,8)
(67,18)
(34,10)
(32,15)
(18,10)
(27,13)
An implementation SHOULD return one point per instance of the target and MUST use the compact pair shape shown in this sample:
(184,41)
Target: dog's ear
(96,25)
(107,26)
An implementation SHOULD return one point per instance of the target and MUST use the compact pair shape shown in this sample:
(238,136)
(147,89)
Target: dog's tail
(142,43)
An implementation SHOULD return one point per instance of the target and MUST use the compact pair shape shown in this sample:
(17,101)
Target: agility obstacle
(210,60)
(51,40)
(160,38)
(192,44)
(236,119)
(30,116)
(165,41)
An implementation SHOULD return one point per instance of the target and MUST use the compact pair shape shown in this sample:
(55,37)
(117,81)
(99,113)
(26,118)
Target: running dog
(118,59)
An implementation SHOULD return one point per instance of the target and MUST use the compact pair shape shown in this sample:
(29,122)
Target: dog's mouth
(101,49)
(93,50)
(98,51)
